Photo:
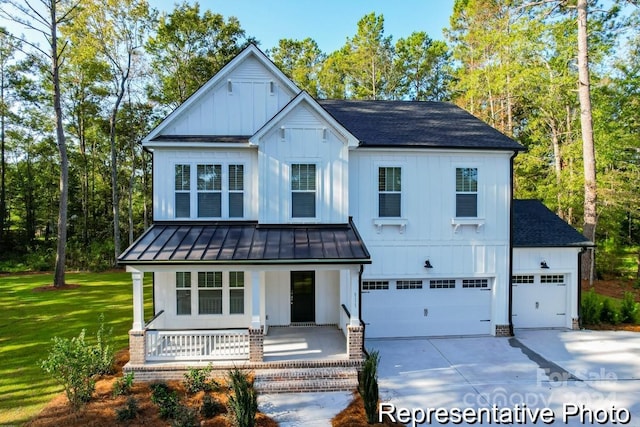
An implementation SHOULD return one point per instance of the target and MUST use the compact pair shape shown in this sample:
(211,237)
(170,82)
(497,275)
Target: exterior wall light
(427,264)
(544,265)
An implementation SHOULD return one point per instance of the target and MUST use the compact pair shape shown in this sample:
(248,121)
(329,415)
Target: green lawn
(29,320)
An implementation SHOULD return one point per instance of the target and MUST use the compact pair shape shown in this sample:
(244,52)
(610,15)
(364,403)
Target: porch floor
(304,342)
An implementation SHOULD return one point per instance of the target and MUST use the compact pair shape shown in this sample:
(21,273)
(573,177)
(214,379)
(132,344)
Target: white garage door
(411,308)
(539,301)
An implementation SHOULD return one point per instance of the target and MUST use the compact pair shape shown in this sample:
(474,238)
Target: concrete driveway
(596,373)
(592,377)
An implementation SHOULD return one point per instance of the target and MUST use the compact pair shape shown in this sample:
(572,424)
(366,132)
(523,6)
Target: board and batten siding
(164,161)
(303,138)
(240,104)
(399,247)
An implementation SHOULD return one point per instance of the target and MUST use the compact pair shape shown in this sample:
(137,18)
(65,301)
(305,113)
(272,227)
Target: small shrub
(197,379)
(210,407)
(127,412)
(591,307)
(243,402)
(165,399)
(71,363)
(123,385)
(608,312)
(628,309)
(185,417)
(104,355)
(368,386)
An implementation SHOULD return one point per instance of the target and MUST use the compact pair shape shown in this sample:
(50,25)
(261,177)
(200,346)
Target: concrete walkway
(595,373)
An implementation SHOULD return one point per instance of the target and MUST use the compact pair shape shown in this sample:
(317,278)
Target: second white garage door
(412,308)
(539,301)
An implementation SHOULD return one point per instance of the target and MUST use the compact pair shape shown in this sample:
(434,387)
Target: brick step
(305,380)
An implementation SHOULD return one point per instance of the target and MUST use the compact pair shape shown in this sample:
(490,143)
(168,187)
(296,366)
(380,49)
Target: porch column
(354,298)
(256,331)
(138,301)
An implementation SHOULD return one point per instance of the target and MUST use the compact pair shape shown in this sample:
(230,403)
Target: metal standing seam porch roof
(247,243)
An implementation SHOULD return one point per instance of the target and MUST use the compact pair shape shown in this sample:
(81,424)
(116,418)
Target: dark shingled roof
(536,226)
(416,124)
(247,243)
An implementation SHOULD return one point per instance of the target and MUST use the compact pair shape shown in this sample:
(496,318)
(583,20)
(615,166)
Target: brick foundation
(503,331)
(575,323)
(256,344)
(136,347)
(355,338)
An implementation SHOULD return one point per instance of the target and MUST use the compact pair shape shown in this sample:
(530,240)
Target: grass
(31,318)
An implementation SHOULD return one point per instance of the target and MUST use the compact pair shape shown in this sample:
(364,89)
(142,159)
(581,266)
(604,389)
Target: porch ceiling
(247,243)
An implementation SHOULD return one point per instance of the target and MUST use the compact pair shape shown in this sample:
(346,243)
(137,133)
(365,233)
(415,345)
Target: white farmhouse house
(286,229)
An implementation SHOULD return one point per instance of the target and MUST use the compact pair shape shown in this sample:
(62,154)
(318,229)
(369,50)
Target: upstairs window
(303,191)
(183,191)
(389,190)
(466,192)
(236,191)
(209,191)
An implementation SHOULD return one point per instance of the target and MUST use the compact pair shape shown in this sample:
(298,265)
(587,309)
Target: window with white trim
(217,190)
(209,292)
(209,178)
(182,191)
(409,284)
(236,292)
(375,285)
(521,279)
(389,192)
(183,293)
(466,192)
(236,191)
(555,279)
(442,284)
(475,283)
(303,191)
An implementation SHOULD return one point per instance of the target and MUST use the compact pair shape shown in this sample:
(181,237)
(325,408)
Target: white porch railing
(197,345)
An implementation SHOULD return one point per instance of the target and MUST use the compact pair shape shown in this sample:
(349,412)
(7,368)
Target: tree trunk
(61,253)
(3,165)
(588,147)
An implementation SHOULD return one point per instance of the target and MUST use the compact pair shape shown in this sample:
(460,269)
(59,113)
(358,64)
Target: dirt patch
(101,411)
(48,288)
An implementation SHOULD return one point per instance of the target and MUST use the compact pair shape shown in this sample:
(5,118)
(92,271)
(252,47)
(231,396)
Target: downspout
(579,280)
(510,273)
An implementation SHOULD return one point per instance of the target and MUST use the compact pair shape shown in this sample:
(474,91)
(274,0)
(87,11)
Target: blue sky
(328,22)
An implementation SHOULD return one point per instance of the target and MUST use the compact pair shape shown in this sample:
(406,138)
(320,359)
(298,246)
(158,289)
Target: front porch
(295,358)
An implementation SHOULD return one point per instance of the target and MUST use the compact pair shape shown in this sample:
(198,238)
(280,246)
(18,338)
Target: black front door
(303,296)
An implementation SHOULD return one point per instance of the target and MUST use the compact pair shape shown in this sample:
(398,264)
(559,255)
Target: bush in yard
(197,379)
(165,399)
(185,417)
(608,312)
(71,363)
(127,412)
(628,309)
(368,386)
(104,354)
(123,385)
(210,407)
(591,308)
(243,402)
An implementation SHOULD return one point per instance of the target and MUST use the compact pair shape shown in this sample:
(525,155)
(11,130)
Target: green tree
(188,48)
(423,67)
(301,61)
